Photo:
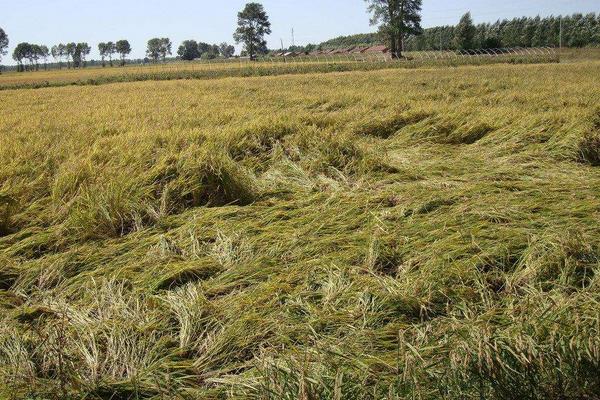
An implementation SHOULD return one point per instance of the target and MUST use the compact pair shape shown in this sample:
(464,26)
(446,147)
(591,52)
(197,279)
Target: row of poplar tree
(75,53)
(575,30)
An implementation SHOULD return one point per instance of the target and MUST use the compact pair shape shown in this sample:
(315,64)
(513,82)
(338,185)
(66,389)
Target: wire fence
(285,64)
(538,52)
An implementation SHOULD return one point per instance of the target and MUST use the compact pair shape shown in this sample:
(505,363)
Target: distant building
(346,50)
(376,49)
(358,49)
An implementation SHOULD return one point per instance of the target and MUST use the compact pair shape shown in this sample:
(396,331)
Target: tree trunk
(400,45)
(401,31)
(393,48)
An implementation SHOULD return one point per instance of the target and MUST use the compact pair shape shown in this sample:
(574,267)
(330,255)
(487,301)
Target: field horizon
(273,66)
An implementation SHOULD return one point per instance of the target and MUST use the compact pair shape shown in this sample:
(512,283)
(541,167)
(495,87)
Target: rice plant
(369,234)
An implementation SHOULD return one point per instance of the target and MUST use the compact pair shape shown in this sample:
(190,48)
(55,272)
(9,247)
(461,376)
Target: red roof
(359,49)
(376,49)
(345,50)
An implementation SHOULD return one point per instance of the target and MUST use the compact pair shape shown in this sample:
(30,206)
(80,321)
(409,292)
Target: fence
(332,58)
(278,65)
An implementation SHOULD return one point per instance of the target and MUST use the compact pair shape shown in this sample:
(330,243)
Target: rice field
(267,66)
(423,233)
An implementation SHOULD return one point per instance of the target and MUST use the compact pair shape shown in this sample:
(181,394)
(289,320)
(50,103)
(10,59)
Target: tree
(188,50)
(214,51)
(309,48)
(77,61)
(31,52)
(20,53)
(70,52)
(203,48)
(3,43)
(44,54)
(165,48)
(102,49)
(578,30)
(158,48)
(226,50)
(253,25)
(58,52)
(111,49)
(465,33)
(34,56)
(124,49)
(397,20)
(80,53)
(153,49)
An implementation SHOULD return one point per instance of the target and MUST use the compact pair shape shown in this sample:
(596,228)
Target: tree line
(109,49)
(74,53)
(578,30)
(191,50)
(253,25)
(32,53)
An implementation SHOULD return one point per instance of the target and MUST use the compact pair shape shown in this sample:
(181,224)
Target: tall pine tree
(465,33)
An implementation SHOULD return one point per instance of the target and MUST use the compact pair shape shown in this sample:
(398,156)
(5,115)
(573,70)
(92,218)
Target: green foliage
(111,49)
(32,52)
(103,51)
(578,31)
(253,25)
(397,19)
(226,50)
(108,49)
(3,43)
(20,53)
(123,48)
(70,50)
(188,50)
(465,31)
(361,39)
(158,48)
(80,52)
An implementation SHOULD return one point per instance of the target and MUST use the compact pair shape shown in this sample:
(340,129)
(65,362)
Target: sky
(51,22)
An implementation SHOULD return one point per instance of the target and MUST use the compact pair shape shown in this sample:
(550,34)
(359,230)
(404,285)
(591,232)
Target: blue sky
(55,21)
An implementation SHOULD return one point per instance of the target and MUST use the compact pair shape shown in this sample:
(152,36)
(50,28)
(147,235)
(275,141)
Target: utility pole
(281,44)
(560,34)
(441,41)
(293,39)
